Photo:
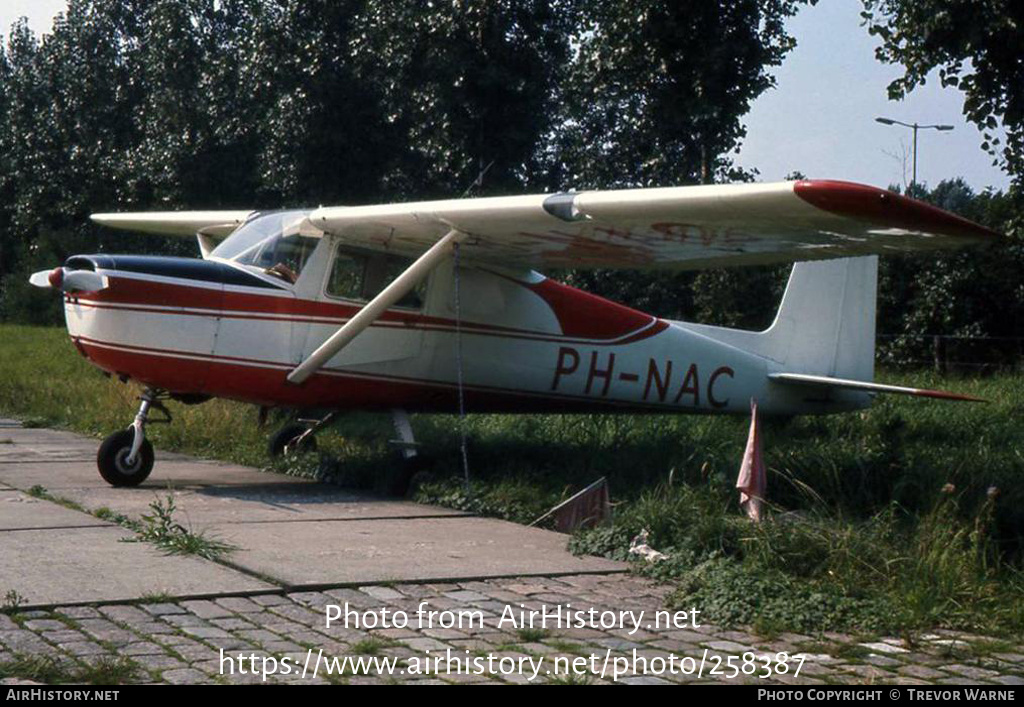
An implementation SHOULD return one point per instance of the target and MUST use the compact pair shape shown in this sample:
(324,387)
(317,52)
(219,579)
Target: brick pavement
(181,641)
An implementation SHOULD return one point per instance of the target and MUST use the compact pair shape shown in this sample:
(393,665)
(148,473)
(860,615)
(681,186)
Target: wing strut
(372,310)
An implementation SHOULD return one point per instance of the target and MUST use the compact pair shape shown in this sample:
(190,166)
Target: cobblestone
(181,642)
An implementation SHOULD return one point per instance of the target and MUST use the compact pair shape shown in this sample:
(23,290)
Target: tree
(656,97)
(976,47)
(972,293)
(657,92)
(466,85)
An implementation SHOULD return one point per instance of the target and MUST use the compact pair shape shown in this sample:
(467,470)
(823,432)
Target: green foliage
(658,89)
(812,571)
(47,383)
(161,529)
(511,499)
(532,635)
(266,104)
(860,530)
(728,593)
(12,601)
(975,45)
(970,293)
(370,646)
(54,671)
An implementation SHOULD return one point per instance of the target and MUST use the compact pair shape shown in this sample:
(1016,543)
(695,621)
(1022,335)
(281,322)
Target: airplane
(438,306)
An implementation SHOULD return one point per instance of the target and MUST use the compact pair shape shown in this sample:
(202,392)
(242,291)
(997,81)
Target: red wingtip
(881,206)
(946,395)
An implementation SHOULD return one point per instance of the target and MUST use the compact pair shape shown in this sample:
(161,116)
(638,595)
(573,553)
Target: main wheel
(398,479)
(113,455)
(286,436)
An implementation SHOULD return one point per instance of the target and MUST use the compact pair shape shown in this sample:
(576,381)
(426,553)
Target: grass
(862,537)
(532,635)
(370,646)
(161,529)
(51,671)
(571,679)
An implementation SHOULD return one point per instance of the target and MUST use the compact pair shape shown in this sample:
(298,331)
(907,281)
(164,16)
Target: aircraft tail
(823,336)
(825,325)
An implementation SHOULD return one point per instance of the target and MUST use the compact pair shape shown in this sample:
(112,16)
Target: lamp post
(915,127)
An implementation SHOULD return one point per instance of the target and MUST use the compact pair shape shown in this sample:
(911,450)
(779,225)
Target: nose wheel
(126,457)
(115,461)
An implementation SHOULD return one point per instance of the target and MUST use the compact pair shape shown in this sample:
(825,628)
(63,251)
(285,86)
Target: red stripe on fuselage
(586,316)
(265,383)
(581,316)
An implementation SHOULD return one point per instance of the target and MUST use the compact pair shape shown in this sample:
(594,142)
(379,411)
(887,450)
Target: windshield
(277,243)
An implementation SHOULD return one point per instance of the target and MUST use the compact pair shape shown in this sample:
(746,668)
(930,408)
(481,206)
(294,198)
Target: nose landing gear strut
(125,458)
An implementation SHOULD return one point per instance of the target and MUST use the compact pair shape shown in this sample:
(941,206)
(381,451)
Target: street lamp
(915,127)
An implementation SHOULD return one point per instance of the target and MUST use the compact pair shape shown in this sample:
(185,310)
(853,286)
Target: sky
(820,119)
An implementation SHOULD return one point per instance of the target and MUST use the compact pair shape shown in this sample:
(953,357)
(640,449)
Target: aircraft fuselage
(528,344)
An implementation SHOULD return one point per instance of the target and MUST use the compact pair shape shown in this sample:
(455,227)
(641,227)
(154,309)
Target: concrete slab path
(287,532)
(74,591)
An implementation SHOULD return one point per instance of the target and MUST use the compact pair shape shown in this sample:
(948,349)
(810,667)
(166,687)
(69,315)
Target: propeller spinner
(69,280)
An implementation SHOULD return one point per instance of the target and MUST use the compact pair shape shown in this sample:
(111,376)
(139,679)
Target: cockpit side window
(283,256)
(361,275)
(278,243)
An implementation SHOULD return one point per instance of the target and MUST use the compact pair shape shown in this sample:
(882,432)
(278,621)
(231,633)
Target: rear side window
(347,276)
(361,275)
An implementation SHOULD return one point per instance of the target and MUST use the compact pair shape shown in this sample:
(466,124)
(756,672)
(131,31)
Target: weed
(37,668)
(161,529)
(105,513)
(43,493)
(12,602)
(49,670)
(370,646)
(571,678)
(532,635)
(569,647)
(108,671)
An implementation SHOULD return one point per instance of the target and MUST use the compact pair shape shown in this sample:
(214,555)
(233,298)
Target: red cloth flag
(587,509)
(753,479)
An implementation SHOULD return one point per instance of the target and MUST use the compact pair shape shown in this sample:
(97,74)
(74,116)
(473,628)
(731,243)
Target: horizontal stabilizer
(827,382)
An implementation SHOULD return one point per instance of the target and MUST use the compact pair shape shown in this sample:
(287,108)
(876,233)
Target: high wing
(664,228)
(667,228)
(679,228)
(176,223)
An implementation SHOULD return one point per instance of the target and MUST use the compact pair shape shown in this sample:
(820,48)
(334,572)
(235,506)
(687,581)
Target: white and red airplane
(404,306)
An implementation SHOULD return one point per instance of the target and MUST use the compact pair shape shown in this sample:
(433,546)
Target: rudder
(826,321)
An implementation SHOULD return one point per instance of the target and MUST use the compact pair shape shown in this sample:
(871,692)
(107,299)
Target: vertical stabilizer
(826,322)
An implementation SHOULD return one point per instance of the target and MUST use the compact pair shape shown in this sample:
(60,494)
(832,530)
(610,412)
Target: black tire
(398,480)
(111,460)
(285,436)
